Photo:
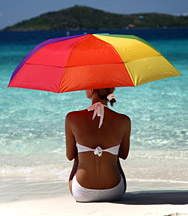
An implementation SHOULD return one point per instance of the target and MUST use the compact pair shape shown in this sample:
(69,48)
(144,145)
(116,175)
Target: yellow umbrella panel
(142,61)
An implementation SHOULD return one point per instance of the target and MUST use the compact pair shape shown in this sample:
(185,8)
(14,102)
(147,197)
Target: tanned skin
(92,171)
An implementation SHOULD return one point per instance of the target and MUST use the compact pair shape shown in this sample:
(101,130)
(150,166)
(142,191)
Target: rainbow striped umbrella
(91,61)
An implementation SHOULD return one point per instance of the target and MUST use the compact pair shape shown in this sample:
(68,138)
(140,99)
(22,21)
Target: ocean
(33,162)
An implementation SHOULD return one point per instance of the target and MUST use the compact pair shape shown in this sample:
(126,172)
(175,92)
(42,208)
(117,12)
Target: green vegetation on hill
(80,17)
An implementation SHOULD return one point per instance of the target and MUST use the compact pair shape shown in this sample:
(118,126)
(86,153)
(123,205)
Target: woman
(96,138)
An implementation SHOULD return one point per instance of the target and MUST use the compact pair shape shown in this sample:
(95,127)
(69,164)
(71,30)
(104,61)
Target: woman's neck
(95,100)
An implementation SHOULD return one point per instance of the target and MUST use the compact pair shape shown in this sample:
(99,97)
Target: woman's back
(87,133)
(94,171)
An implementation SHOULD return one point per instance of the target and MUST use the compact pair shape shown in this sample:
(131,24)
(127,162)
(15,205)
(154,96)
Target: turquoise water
(32,138)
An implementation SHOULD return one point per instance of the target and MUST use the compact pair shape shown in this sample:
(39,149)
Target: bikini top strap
(98,109)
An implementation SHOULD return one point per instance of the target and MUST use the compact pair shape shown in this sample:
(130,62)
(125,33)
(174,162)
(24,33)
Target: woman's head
(103,94)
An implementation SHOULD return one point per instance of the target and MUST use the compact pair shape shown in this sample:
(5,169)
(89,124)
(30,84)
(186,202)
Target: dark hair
(103,93)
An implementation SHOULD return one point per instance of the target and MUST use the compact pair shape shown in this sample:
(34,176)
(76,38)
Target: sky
(14,11)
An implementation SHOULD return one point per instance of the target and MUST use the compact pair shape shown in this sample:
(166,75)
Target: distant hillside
(80,17)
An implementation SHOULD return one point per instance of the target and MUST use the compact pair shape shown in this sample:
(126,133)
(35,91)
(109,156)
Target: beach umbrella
(91,61)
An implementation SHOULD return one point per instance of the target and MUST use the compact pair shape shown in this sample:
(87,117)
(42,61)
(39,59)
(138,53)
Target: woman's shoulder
(119,120)
(121,116)
(125,117)
(126,121)
(73,114)
(76,112)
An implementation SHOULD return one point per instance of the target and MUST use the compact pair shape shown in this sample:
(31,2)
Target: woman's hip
(82,194)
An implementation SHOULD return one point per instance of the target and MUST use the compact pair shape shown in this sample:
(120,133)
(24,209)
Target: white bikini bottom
(82,194)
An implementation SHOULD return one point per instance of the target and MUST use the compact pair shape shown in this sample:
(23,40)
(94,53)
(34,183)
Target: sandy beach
(133,204)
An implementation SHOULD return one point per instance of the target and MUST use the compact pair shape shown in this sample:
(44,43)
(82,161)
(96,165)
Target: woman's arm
(74,168)
(122,173)
(73,172)
(125,144)
(71,150)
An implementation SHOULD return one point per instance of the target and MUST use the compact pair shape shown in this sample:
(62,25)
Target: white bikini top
(98,150)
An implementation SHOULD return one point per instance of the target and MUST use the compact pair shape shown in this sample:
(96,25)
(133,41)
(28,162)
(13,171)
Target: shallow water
(32,139)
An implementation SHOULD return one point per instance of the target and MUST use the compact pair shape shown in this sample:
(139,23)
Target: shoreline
(133,204)
(22,189)
(98,30)
(17,190)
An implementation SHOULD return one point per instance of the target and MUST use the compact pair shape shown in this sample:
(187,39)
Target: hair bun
(111,98)
(106,94)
